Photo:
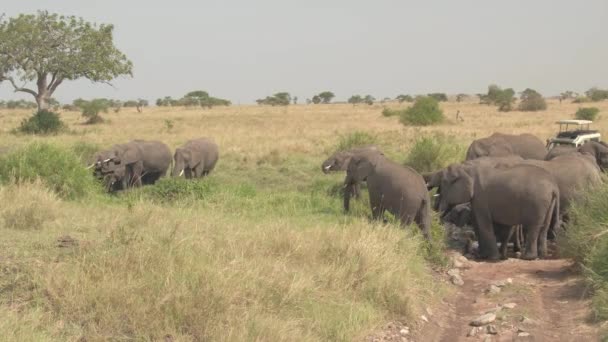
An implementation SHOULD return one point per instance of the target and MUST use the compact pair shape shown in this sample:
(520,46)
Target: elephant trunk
(178,169)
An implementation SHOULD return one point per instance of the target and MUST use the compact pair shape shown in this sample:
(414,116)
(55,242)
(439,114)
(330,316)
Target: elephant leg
(423,218)
(199,171)
(487,239)
(504,233)
(375,201)
(346,196)
(188,173)
(542,238)
(356,190)
(531,249)
(518,238)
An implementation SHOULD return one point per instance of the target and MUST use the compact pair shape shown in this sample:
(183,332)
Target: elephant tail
(554,226)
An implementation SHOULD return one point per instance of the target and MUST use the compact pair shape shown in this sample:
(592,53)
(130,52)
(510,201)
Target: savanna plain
(259,250)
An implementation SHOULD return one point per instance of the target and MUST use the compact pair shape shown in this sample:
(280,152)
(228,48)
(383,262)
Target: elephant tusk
(328,167)
(181,173)
(436,195)
(107,160)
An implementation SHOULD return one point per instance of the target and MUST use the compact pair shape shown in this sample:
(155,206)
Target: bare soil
(551,304)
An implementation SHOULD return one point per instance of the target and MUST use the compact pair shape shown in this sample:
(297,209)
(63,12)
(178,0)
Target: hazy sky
(243,50)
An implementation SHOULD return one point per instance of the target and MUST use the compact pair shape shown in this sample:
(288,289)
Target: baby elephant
(398,189)
(195,159)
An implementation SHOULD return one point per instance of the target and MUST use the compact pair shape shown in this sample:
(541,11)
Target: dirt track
(542,300)
(547,293)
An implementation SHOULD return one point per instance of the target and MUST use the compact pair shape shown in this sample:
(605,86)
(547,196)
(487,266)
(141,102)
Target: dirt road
(543,300)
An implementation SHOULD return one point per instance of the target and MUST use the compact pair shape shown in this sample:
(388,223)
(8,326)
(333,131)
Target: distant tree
(425,111)
(54,104)
(596,94)
(368,99)
(50,49)
(316,99)
(461,97)
(20,104)
(531,101)
(484,99)
(278,99)
(355,100)
(503,98)
(141,104)
(567,95)
(326,96)
(404,98)
(92,109)
(295,100)
(440,97)
(308,101)
(130,104)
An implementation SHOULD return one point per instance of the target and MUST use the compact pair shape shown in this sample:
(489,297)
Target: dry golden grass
(266,255)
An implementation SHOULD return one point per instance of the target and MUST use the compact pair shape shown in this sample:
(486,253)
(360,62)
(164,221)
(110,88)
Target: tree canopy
(51,49)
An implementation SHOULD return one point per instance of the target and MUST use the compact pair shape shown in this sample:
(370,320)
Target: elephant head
(184,160)
(599,151)
(459,215)
(337,162)
(360,167)
(456,188)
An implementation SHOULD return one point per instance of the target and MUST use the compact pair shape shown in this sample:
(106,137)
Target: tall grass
(586,241)
(434,152)
(56,167)
(355,139)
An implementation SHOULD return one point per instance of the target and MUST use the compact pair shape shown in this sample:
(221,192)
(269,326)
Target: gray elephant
(433,180)
(503,198)
(393,187)
(598,150)
(560,150)
(339,162)
(195,159)
(135,163)
(524,145)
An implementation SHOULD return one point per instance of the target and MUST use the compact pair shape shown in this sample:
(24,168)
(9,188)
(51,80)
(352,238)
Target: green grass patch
(355,139)
(57,168)
(434,152)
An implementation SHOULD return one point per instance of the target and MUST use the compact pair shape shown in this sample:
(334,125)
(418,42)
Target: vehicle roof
(574,122)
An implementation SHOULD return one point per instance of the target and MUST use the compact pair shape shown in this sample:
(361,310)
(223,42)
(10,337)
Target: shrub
(392,112)
(355,100)
(85,151)
(278,99)
(42,122)
(355,139)
(434,152)
(425,111)
(532,101)
(60,170)
(596,94)
(503,98)
(588,113)
(585,240)
(169,190)
(91,110)
(581,99)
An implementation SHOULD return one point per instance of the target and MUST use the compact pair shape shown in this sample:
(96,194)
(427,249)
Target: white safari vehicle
(573,133)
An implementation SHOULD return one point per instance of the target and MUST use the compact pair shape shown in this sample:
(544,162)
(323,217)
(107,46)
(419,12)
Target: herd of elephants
(509,188)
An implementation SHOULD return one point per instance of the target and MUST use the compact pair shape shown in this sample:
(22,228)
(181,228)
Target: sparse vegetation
(42,122)
(585,240)
(278,99)
(532,101)
(503,98)
(355,139)
(388,112)
(596,94)
(425,111)
(434,152)
(355,100)
(439,97)
(323,97)
(404,98)
(588,113)
(92,109)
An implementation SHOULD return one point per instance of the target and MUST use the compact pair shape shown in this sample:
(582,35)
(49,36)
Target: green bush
(425,111)
(596,94)
(60,170)
(532,101)
(434,152)
(42,122)
(585,240)
(581,99)
(355,139)
(588,113)
(175,189)
(392,112)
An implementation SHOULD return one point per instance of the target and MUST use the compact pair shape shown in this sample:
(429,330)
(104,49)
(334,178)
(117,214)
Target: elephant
(339,162)
(598,150)
(503,198)
(393,187)
(135,163)
(524,145)
(560,150)
(195,159)
(433,180)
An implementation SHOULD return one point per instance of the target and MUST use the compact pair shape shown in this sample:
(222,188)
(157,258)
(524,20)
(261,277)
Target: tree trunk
(43,102)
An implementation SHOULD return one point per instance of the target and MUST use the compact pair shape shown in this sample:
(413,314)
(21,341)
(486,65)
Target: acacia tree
(51,49)
(326,96)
